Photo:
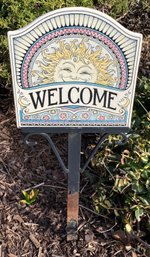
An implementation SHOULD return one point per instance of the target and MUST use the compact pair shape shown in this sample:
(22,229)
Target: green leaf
(145,200)
(147,166)
(26,195)
(116,213)
(138,213)
(144,157)
(145,174)
(148,184)
(26,202)
(138,188)
(30,197)
(33,194)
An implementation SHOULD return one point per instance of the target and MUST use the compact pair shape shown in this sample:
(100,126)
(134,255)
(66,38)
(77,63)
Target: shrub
(124,171)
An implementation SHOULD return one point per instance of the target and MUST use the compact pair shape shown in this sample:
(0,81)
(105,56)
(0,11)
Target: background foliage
(16,14)
(123,185)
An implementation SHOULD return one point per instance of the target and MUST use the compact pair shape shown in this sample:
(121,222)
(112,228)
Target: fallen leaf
(34,241)
(89,235)
(120,235)
(18,218)
(128,247)
(128,228)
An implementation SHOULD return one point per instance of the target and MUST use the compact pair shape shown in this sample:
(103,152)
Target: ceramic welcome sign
(74,67)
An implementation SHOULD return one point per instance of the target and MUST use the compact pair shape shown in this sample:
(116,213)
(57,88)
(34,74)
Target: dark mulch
(40,229)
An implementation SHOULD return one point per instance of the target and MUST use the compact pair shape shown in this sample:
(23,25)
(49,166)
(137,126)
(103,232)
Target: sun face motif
(71,70)
(75,61)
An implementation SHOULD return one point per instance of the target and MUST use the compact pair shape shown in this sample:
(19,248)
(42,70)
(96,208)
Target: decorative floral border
(63,118)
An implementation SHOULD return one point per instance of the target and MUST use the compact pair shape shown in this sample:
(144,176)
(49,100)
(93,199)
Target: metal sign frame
(73,171)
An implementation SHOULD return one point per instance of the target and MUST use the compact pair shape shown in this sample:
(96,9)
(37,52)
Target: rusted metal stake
(74,148)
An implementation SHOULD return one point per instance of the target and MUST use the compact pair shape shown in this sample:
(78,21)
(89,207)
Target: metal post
(74,148)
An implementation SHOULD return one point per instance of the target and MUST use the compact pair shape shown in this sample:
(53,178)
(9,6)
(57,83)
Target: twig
(142,106)
(30,224)
(5,166)
(120,18)
(82,225)
(104,231)
(122,191)
(54,180)
(83,217)
(1,251)
(40,252)
(5,121)
(25,254)
(100,215)
(58,187)
(141,241)
(117,252)
(103,163)
(36,186)
(83,187)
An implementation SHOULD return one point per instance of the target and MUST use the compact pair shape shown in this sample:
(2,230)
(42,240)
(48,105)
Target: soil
(39,229)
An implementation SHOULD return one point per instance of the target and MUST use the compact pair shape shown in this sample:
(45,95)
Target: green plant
(31,197)
(123,188)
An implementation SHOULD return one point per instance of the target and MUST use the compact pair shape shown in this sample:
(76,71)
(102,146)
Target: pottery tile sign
(74,67)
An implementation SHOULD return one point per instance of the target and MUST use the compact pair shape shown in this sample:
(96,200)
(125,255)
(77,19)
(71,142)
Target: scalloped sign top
(74,67)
